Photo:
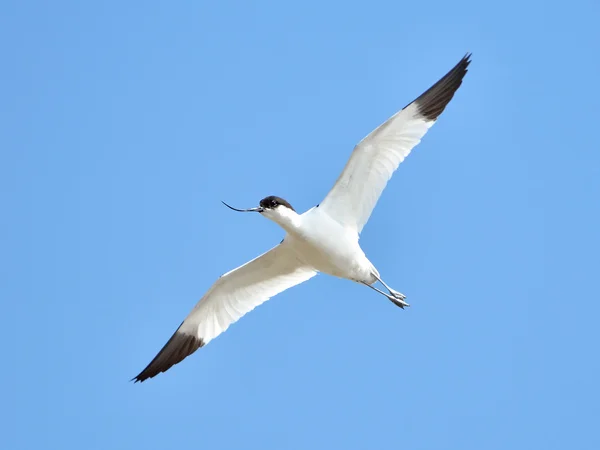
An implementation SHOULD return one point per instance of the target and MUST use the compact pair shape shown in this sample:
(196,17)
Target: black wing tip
(179,347)
(433,101)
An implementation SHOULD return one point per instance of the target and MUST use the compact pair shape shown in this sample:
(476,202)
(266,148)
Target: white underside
(329,247)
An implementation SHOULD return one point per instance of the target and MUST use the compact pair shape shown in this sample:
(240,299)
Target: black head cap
(272,202)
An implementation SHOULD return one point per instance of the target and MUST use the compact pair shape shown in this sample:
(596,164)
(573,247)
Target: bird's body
(323,239)
(311,240)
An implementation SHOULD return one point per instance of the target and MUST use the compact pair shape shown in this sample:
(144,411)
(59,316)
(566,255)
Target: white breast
(330,247)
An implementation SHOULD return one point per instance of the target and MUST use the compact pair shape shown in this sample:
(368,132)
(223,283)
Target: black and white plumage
(323,239)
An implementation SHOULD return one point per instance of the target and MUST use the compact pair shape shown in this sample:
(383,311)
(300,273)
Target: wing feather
(374,160)
(234,294)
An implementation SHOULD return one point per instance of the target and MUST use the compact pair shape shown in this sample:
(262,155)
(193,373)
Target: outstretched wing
(233,295)
(376,157)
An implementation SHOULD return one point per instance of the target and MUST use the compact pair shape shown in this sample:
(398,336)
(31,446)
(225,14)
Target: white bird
(323,239)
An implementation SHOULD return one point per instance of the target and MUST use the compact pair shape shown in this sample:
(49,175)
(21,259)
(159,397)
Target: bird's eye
(273,203)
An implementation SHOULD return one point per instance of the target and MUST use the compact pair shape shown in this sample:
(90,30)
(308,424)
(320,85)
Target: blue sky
(124,125)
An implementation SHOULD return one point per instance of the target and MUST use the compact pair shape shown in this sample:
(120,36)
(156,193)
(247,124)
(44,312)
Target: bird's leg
(392,292)
(391,297)
(397,295)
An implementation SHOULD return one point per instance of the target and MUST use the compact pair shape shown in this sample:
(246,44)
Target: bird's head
(275,208)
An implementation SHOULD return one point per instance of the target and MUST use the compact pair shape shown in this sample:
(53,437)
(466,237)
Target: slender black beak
(259,209)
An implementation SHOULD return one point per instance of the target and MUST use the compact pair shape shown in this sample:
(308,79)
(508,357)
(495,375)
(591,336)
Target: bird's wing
(233,295)
(377,156)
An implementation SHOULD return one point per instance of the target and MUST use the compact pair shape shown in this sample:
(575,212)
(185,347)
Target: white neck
(286,218)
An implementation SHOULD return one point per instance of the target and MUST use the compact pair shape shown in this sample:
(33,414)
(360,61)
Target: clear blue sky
(122,126)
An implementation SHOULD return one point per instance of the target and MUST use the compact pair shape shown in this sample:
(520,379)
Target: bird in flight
(323,239)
